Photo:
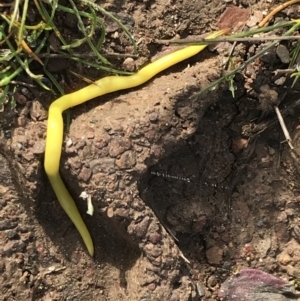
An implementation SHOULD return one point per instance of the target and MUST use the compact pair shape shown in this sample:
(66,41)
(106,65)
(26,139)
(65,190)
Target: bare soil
(180,201)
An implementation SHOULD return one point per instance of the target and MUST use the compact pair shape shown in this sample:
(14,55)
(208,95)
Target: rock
(118,146)
(296,233)
(12,234)
(212,281)
(21,121)
(6,224)
(153,250)
(85,174)
(280,81)
(255,285)
(127,160)
(262,245)
(214,255)
(129,64)
(141,228)
(90,134)
(282,232)
(269,57)
(38,147)
(13,247)
(254,19)
(268,98)
(106,165)
(154,237)
(37,111)
(283,54)
(153,117)
(233,17)
(284,258)
(20,99)
(122,212)
(282,217)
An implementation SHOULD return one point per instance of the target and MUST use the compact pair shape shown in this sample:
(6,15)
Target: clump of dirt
(185,188)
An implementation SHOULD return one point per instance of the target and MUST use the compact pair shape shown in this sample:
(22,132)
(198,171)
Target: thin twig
(30,52)
(275,11)
(183,257)
(6,4)
(199,41)
(15,82)
(284,71)
(259,128)
(283,127)
(80,55)
(249,61)
(226,65)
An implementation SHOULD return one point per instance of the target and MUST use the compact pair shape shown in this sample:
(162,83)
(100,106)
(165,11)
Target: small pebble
(107,128)
(127,160)
(283,54)
(251,22)
(269,57)
(7,134)
(27,93)
(21,121)
(20,99)
(284,258)
(271,150)
(12,234)
(153,117)
(115,35)
(69,142)
(296,233)
(37,111)
(85,174)
(280,81)
(212,281)
(129,64)
(38,147)
(90,135)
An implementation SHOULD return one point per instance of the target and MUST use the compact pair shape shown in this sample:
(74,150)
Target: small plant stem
(241,37)
(80,55)
(14,15)
(276,10)
(283,127)
(3,95)
(48,20)
(227,39)
(88,36)
(111,16)
(30,52)
(249,61)
(22,23)
(8,78)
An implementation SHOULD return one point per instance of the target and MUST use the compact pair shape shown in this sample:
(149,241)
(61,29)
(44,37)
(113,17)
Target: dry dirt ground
(180,204)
